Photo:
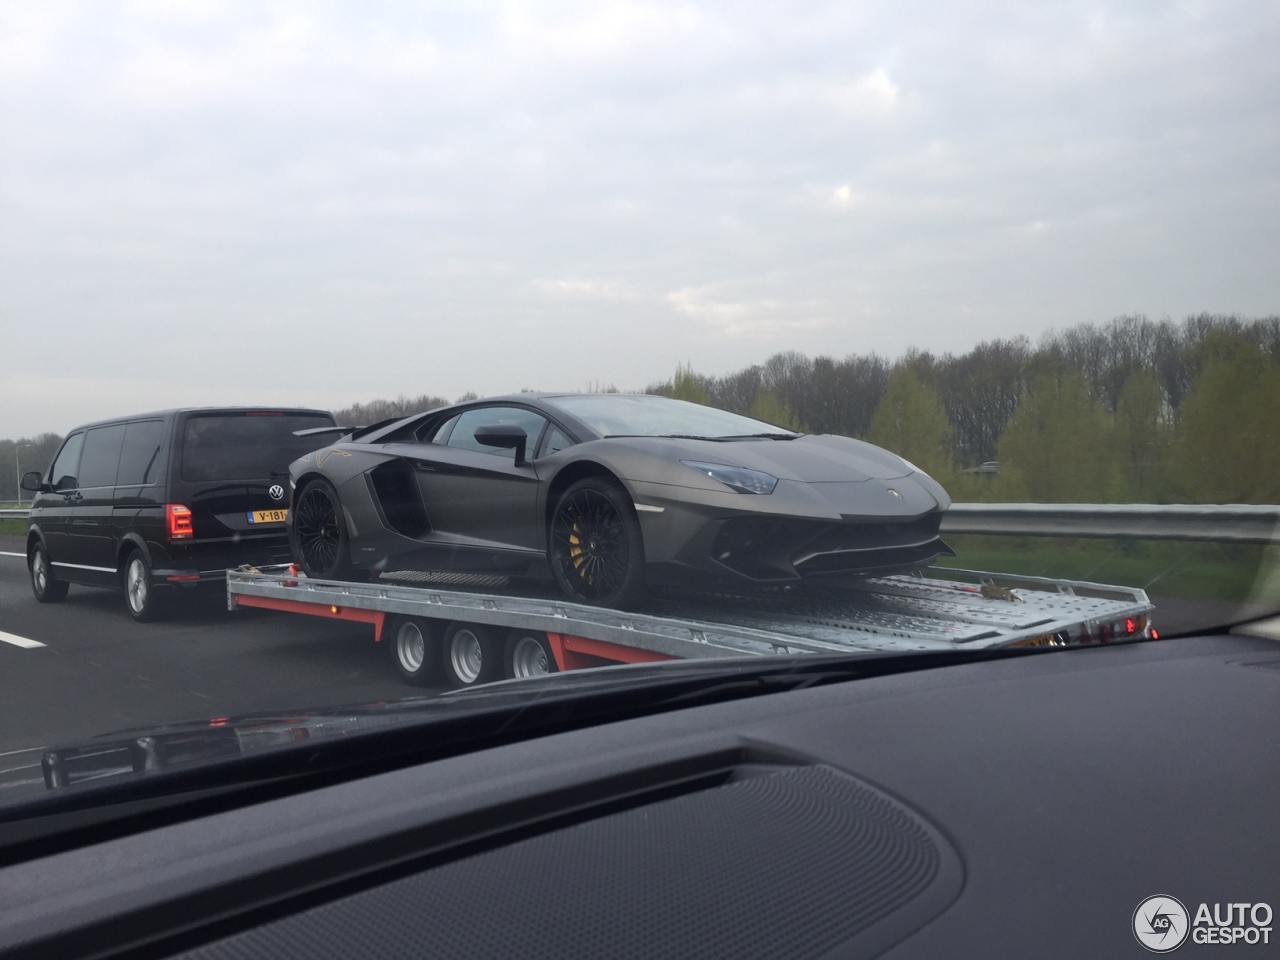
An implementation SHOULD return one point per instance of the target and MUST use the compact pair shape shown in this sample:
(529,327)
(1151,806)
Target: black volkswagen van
(160,500)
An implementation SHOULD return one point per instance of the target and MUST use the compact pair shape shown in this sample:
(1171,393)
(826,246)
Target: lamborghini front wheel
(597,554)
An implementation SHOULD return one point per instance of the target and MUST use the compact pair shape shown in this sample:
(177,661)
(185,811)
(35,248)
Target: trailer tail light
(178,519)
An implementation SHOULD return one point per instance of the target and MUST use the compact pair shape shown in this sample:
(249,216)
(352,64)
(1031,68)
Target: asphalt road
(98,671)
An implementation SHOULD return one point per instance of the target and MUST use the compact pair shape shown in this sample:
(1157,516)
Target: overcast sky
(318,203)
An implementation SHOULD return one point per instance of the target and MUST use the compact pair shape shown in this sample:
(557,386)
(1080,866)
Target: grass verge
(1208,571)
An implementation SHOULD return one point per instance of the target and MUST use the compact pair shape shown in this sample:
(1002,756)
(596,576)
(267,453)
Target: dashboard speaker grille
(795,863)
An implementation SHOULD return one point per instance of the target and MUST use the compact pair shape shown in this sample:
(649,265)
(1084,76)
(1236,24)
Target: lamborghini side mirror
(504,436)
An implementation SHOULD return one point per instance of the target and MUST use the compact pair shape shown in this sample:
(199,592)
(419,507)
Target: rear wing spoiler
(317,431)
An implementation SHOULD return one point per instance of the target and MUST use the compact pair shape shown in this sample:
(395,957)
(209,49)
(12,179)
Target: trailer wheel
(528,655)
(415,649)
(471,655)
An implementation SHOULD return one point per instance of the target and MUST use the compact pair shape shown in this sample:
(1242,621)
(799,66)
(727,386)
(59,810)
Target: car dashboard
(1018,807)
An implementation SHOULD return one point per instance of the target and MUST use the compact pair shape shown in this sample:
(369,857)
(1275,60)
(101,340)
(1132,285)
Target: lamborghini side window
(463,434)
(433,431)
(555,441)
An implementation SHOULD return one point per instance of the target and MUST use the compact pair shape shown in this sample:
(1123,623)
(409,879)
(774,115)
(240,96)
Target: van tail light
(178,518)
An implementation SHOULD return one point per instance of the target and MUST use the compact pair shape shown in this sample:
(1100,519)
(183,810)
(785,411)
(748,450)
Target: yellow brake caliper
(578,555)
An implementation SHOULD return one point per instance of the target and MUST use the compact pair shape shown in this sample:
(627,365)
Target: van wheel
(139,592)
(415,648)
(471,655)
(318,534)
(528,655)
(43,585)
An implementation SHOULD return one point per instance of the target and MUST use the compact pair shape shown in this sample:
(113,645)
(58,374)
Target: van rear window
(246,446)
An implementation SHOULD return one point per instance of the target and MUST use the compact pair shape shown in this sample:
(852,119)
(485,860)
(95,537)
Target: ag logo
(1161,923)
(276,492)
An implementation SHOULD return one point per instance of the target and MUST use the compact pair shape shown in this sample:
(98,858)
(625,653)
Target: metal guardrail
(1216,523)
(1213,522)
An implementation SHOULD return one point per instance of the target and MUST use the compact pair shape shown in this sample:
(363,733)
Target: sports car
(608,494)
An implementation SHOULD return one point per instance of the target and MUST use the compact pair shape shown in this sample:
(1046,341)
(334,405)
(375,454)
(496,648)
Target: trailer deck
(942,610)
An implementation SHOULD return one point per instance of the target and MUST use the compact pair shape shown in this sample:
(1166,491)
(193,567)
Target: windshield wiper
(759,436)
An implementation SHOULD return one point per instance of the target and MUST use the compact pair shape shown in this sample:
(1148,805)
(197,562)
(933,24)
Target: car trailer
(472,636)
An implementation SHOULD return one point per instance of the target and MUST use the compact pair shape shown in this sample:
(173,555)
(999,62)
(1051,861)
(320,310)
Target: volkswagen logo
(276,492)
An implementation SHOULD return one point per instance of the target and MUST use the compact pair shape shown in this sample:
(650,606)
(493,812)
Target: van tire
(142,600)
(43,585)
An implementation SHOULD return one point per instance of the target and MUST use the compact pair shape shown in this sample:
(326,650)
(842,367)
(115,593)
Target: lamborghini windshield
(641,416)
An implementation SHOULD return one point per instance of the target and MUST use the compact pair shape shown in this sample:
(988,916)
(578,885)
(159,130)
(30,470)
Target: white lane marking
(18,641)
(10,553)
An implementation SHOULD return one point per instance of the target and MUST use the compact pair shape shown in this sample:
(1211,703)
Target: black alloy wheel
(318,536)
(597,554)
(43,584)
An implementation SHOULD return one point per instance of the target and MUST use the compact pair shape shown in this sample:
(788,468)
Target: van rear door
(232,469)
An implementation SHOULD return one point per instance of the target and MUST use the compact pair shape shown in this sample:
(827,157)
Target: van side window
(63,473)
(140,458)
(101,456)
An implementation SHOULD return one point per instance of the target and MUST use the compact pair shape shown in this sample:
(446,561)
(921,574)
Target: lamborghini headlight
(735,478)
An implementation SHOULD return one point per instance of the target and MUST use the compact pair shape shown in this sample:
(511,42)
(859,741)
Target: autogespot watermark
(1162,924)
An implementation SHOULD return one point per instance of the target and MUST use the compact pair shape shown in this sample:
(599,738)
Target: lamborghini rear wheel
(597,554)
(318,535)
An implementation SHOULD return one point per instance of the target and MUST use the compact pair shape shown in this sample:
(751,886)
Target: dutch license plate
(268,516)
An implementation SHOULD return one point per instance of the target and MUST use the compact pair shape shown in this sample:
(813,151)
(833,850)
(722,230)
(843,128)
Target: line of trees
(22,455)
(1131,410)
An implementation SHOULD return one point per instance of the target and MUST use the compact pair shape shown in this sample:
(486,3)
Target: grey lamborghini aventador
(607,494)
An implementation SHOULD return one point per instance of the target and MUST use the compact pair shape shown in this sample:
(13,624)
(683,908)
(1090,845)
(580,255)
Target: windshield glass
(656,417)
(960,322)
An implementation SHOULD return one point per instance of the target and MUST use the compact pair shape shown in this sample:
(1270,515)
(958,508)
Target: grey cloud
(275,192)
